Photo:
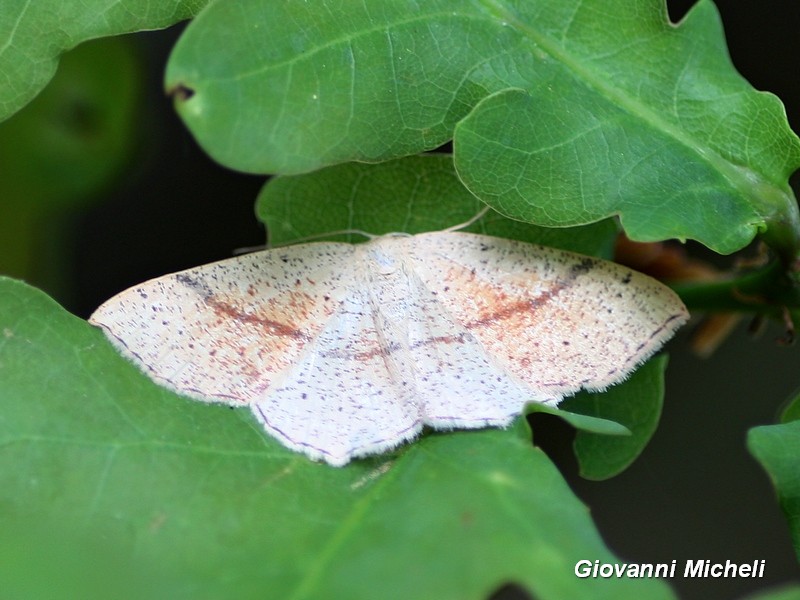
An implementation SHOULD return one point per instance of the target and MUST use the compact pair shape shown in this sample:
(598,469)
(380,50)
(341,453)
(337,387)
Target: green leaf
(777,447)
(582,422)
(34,33)
(562,112)
(182,499)
(77,133)
(60,151)
(792,410)
(635,405)
(411,195)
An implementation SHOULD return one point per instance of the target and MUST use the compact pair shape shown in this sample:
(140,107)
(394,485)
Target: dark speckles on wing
(585,265)
(194,284)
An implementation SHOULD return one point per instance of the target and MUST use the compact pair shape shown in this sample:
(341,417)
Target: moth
(343,350)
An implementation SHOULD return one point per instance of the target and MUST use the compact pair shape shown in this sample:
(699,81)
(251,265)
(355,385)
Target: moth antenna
(474,219)
(308,238)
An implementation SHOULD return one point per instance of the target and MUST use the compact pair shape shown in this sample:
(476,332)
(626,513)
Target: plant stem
(768,290)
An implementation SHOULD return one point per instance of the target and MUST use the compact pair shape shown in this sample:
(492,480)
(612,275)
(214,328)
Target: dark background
(694,493)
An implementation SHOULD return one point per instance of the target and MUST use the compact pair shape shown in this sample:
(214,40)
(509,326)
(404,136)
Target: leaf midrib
(619,97)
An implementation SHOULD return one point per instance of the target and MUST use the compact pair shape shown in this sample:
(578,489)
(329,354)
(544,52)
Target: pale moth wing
(343,351)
